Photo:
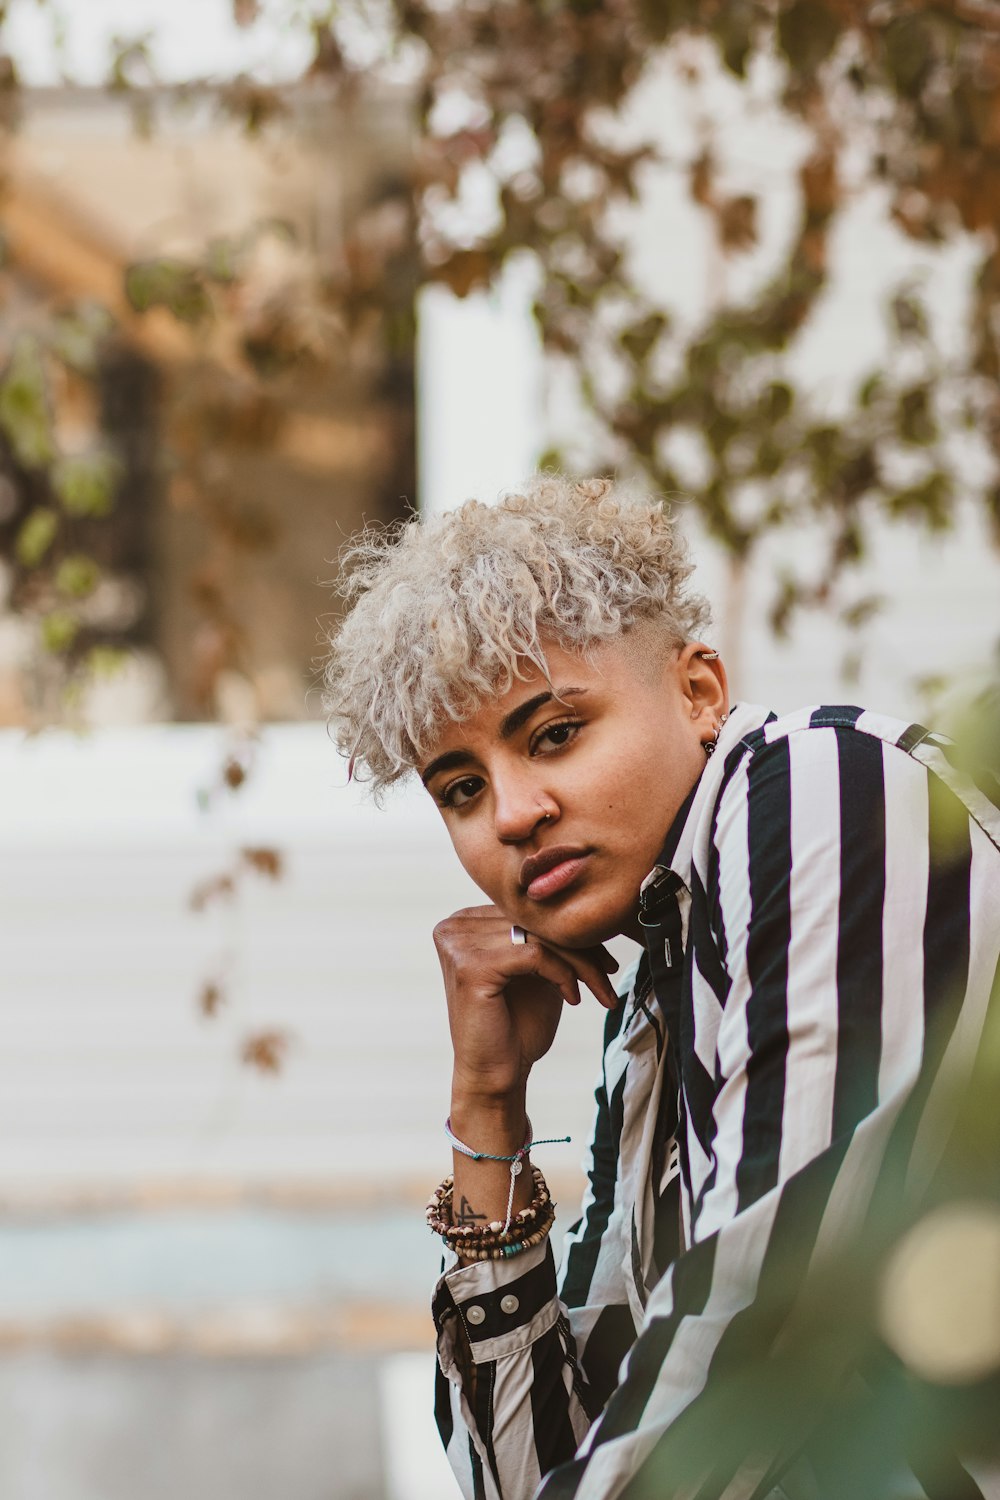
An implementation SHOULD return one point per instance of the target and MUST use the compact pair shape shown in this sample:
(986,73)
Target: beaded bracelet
(440,1206)
(504,1252)
(494,1250)
(529,1226)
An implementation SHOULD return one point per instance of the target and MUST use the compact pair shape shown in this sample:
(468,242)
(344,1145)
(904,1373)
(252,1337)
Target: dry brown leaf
(234,773)
(265,1050)
(265,861)
(218,886)
(210,998)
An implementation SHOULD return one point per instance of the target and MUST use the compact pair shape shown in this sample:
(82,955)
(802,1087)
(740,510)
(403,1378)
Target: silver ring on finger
(518,935)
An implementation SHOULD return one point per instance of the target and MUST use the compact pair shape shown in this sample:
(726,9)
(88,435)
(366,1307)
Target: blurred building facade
(191,1303)
(301,458)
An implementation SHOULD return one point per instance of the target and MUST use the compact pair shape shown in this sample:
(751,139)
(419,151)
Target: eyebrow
(509,726)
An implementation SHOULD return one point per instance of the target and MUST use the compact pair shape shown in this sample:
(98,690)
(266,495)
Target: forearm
(509,1400)
(509,1375)
(496,1127)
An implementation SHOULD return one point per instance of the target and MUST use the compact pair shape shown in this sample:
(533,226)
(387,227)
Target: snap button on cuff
(509,1304)
(475,1314)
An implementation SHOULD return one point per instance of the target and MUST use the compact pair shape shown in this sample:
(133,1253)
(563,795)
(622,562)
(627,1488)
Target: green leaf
(862,610)
(77,576)
(908,49)
(930,500)
(823,445)
(85,484)
(783,605)
(222,260)
(720,431)
(915,419)
(131,64)
(849,546)
(59,630)
(734,34)
(909,315)
(858,473)
(168,283)
(807,34)
(24,406)
(658,18)
(106,661)
(638,339)
(77,337)
(769,459)
(779,399)
(36,535)
(869,390)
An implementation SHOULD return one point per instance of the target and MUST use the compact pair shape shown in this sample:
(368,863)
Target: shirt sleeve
(521,1380)
(846,922)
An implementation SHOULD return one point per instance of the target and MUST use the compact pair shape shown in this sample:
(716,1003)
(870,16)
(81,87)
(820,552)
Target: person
(817,896)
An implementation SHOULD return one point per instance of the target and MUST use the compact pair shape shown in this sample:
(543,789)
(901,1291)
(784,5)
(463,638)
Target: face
(557,799)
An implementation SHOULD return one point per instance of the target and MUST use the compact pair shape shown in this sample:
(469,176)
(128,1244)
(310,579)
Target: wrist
(489,1124)
(469,1091)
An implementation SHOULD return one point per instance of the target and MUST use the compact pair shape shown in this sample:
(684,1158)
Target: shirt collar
(677,852)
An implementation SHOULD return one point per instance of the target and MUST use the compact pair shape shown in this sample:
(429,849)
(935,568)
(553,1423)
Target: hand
(505,999)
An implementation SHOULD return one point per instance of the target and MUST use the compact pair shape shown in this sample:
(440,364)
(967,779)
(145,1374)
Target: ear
(703,683)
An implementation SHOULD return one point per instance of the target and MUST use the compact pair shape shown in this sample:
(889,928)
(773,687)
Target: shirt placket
(662,898)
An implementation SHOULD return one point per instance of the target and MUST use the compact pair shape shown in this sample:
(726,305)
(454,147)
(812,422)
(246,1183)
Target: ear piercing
(710,746)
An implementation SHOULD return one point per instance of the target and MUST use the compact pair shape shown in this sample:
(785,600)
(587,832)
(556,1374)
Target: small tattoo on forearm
(467,1214)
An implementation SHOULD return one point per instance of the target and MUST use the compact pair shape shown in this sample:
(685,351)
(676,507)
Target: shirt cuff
(503,1305)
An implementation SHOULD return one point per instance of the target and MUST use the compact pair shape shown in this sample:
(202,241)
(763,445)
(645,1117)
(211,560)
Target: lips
(551,870)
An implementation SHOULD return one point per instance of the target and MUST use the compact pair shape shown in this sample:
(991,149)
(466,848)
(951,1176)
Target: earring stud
(710,746)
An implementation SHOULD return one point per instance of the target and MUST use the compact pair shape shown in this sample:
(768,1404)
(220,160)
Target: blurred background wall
(269,275)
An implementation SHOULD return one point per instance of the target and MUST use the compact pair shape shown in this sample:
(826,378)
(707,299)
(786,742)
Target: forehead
(500,715)
(489,718)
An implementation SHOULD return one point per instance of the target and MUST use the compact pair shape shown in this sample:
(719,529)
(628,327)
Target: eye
(555,736)
(458,793)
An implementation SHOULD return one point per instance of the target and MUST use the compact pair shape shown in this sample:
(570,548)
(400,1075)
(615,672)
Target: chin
(585,927)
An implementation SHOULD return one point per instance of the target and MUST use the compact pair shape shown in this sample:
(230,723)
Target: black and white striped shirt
(823,928)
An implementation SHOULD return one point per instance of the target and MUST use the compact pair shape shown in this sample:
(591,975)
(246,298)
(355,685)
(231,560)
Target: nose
(520,806)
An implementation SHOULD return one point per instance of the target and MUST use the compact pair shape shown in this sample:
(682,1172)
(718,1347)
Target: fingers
(477,940)
(477,954)
(536,959)
(573,966)
(592,965)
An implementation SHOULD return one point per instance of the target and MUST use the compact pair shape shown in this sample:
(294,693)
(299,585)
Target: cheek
(628,789)
(639,810)
(477,856)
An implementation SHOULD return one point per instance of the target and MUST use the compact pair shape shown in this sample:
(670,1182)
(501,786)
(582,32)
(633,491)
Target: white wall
(109,1076)
(480,384)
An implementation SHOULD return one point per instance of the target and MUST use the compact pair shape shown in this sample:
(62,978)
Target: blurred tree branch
(913,85)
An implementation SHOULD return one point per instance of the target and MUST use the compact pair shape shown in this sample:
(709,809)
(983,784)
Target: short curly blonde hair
(447,610)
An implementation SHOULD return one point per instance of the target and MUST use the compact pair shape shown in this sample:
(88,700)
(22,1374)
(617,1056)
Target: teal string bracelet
(516,1161)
